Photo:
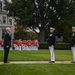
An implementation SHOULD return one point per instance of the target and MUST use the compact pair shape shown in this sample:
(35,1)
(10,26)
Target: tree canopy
(43,13)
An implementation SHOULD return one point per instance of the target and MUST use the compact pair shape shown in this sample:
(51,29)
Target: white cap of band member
(52,28)
(73,27)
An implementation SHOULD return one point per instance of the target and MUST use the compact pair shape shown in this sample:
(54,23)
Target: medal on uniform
(73,34)
(50,34)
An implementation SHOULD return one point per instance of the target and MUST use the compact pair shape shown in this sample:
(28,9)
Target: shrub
(60,46)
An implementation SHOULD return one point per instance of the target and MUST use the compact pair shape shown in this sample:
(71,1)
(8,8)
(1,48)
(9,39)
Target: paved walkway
(37,62)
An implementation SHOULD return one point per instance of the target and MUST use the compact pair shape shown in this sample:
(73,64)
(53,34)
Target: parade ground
(40,55)
(37,63)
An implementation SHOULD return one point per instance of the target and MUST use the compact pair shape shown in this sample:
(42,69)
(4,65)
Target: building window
(4,19)
(0,6)
(3,33)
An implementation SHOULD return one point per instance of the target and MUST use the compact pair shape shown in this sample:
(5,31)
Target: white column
(0,34)
(12,28)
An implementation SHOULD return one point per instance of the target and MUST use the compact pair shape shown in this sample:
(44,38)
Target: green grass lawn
(38,69)
(60,55)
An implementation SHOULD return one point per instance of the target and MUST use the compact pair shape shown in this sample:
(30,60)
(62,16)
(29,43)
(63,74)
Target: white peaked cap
(52,28)
(73,27)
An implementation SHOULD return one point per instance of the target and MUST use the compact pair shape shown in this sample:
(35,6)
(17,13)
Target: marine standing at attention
(73,44)
(51,43)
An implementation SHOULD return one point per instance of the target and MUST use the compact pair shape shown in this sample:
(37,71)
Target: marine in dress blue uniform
(51,43)
(73,44)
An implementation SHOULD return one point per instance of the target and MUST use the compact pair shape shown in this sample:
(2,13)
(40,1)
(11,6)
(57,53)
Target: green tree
(24,33)
(42,13)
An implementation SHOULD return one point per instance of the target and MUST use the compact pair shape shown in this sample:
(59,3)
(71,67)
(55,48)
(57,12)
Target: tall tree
(42,13)
(25,33)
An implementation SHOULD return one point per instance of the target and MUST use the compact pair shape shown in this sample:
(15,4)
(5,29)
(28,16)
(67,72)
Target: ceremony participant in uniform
(7,43)
(32,45)
(51,43)
(16,44)
(27,45)
(19,44)
(11,48)
(1,45)
(36,45)
(73,44)
(13,44)
(23,45)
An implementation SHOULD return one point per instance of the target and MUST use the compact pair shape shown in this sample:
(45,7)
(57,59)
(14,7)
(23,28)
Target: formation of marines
(22,45)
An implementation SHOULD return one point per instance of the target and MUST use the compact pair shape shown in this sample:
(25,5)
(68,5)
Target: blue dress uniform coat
(51,39)
(7,45)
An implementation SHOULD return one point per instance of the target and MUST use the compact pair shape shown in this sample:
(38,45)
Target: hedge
(59,46)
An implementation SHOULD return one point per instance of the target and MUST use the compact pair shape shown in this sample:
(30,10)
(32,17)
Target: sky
(9,0)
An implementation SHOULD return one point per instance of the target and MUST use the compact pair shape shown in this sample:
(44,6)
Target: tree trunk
(42,35)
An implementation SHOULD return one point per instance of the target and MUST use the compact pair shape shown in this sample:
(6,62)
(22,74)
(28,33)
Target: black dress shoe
(73,62)
(7,62)
(52,62)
